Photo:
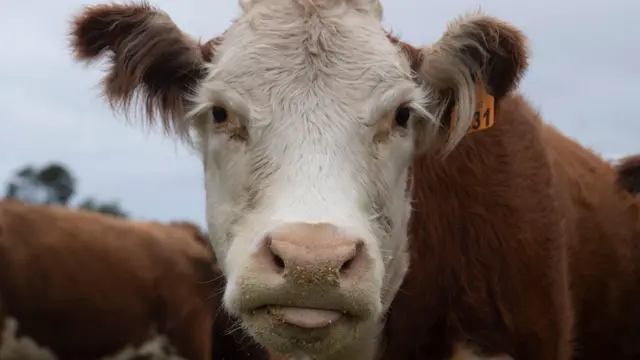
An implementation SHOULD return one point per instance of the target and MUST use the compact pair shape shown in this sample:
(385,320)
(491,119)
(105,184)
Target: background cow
(83,285)
(629,173)
(341,229)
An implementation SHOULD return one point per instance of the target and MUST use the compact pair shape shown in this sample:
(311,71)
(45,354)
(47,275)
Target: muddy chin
(314,331)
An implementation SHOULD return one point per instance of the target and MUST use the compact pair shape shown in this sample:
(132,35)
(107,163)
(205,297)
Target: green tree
(52,184)
(109,208)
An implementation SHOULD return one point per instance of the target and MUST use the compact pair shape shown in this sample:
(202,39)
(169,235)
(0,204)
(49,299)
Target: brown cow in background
(629,173)
(84,286)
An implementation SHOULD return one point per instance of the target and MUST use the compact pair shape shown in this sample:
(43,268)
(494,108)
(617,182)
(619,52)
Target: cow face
(307,115)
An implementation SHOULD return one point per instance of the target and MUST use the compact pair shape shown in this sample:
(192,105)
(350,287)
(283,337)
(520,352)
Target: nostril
(346,266)
(278,262)
(349,264)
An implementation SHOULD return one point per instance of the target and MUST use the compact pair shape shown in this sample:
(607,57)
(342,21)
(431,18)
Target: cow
(82,285)
(369,199)
(629,173)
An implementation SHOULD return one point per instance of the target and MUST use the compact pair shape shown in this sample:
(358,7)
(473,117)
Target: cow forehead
(283,54)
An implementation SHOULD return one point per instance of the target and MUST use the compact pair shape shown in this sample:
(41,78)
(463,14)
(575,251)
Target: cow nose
(314,252)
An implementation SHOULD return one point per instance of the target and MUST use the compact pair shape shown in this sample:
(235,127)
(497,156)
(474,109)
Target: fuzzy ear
(150,59)
(628,170)
(474,49)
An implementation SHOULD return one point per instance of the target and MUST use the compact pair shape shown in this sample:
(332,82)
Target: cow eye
(220,114)
(403,115)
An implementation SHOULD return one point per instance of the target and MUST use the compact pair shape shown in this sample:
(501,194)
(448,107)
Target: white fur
(13,347)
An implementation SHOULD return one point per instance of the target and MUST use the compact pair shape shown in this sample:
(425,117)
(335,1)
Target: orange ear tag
(484,115)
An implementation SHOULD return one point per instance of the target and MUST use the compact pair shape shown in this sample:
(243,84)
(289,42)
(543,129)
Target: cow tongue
(309,318)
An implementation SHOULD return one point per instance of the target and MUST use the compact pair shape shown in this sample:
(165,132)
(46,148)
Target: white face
(301,127)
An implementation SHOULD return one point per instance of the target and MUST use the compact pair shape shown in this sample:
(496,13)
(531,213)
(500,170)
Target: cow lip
(303,316)
(271,307)
(350,308)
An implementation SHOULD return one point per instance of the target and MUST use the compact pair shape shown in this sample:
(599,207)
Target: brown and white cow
(80,285)
(342,230)
(629,173)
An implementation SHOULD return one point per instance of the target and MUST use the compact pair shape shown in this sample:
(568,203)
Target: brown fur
(474,48)
(515,216)
(489,47)
(2,316)
(629,173)
(193,229)
(520,242)
(86,285)
(152,61)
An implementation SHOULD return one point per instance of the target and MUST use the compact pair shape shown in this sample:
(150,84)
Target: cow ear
(628,174)
(152,64)
(477,55)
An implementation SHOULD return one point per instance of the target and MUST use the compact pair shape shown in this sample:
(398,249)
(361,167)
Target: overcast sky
(584,77)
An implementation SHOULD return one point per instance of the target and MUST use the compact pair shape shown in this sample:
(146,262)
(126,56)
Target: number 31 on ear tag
(484,115)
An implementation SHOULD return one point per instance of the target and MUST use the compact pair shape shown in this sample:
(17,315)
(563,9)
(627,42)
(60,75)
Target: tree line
(54,184)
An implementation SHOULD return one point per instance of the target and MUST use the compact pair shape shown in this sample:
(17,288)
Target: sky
(583,77)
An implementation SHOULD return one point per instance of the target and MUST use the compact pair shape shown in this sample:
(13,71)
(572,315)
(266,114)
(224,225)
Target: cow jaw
(313,331)
(343,339)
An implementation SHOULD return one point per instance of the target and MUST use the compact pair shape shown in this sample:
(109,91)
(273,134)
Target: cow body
(86,286)
(353,214)
(521,244)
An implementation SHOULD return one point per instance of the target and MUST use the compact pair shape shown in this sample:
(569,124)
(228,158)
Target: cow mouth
(303,317)
(310,328)
(303,327)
